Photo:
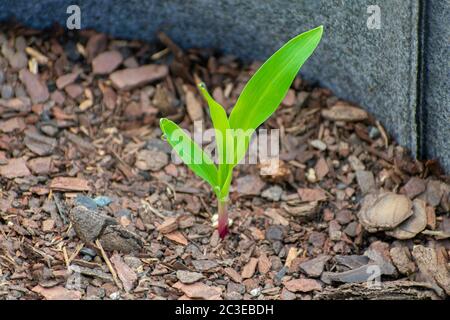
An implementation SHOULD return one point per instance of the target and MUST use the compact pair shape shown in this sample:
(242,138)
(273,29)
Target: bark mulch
(92,207)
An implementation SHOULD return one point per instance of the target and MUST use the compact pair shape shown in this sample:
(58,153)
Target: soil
(92,207)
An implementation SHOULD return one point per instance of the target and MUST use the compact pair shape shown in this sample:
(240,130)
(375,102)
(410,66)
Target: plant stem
(223,218)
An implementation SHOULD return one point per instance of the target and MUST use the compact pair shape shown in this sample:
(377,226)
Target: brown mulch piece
(92,207)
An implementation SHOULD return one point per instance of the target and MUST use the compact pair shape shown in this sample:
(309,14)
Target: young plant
(258,101)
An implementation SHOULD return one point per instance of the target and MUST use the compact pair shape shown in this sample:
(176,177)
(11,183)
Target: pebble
(273,193)
(351,229)
(311,175)
(318,144)
(277,246)
(374,133)
(85,201)
(255,292)
(115,295)
(274,233)
(158,144)
(152,160)
(102,201)
(88,251)
(2,77)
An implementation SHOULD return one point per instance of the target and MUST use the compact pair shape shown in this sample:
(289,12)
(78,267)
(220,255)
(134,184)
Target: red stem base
(223,219)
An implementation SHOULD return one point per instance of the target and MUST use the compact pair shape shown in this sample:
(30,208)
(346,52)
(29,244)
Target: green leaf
(221,125)
(267,88)
(190,152)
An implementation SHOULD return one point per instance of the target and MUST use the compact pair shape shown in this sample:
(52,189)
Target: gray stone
(274,233)
(88,251)
(188,276)
(398,72)
(273,193)
(90,225)
(153,160)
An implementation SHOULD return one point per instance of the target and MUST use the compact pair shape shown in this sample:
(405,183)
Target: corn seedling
(258,101)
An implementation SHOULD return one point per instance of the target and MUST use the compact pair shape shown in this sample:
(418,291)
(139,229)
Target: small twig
(108,263)
(383,134)
(205,206)
(123,166)
(61,209)
(66,257)
(158,55)
(75,254)
(147,206)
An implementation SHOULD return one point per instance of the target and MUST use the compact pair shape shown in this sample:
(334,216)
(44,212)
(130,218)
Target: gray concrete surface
(399,72)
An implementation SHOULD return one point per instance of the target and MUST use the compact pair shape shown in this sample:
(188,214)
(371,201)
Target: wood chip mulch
(92,207)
